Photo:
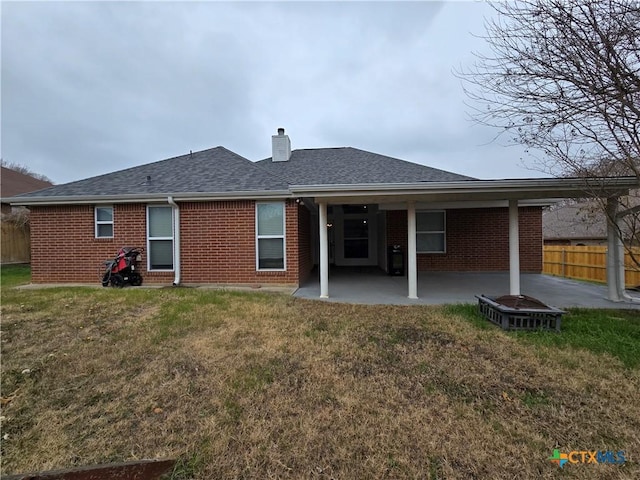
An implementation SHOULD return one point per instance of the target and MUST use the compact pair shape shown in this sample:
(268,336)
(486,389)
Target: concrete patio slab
(374,287)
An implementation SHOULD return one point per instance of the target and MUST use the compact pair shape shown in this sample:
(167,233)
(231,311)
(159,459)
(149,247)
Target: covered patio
(371,286)
(432,288)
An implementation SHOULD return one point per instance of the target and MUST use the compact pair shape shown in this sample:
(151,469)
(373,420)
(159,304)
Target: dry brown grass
(267,386)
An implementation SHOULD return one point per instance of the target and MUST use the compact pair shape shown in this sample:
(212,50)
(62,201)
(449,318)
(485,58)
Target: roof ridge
(319,148)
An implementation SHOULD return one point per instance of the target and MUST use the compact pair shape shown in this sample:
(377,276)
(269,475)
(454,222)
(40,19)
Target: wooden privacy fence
(15,243)
(586,263)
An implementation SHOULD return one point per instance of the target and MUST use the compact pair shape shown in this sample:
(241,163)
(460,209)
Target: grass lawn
(250,385)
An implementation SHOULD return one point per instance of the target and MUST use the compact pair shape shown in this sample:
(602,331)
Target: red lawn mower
(123,269)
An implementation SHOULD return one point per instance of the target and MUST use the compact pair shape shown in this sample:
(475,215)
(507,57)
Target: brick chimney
(280,147)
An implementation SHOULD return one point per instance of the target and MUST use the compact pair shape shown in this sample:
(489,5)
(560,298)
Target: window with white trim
(270,236)
(104,222)
(159,238)
(430,232)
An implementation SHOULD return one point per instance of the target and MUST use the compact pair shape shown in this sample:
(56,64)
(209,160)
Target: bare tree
(563,78)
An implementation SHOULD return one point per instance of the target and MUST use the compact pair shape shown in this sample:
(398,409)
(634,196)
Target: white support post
(613,275)
(514,249)
(324,250)
(620,267)
(412,256)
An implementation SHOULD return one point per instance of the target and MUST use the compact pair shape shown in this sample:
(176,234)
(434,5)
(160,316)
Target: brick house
(214,217)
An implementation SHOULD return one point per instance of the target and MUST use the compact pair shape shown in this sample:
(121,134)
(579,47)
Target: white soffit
(468,204)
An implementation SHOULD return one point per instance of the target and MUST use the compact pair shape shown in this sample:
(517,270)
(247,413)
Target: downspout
(176,240)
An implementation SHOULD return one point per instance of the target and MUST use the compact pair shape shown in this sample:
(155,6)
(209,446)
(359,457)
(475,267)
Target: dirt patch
(520,302)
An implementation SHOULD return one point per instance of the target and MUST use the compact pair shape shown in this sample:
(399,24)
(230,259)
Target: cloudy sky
(93,87)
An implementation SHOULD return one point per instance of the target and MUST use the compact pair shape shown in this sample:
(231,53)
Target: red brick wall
(477,239)
(397,229)
(64,247)
(217,243)
(304,243)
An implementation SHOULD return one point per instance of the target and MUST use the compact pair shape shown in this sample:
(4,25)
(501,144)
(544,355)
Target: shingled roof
(216,170)
(347,165)
(221,171)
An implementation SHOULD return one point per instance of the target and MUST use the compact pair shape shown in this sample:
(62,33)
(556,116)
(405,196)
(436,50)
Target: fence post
(564,261)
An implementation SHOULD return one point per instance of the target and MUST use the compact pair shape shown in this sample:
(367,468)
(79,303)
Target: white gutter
(147,198)
(176,240)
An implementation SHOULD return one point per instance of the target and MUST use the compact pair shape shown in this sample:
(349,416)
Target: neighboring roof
(14,183)
(586,220)
(216,170)
(347,165)
(577,221)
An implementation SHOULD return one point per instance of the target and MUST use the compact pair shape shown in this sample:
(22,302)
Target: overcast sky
(93,87)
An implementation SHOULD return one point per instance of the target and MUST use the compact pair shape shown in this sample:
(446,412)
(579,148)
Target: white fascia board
(159,197)
(516,188)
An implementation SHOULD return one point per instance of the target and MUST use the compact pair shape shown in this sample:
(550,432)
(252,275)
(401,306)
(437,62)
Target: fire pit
(519,312)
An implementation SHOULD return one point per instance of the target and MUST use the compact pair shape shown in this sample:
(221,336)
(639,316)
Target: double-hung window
(430,232)
(160,237)
(104,222)
(270,236)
